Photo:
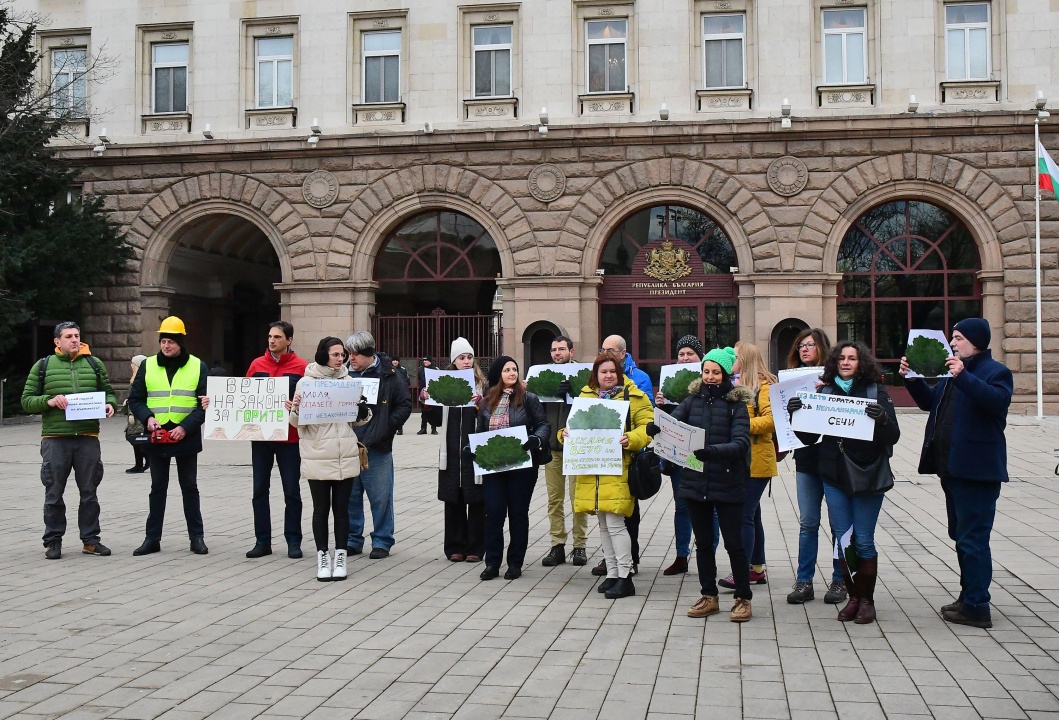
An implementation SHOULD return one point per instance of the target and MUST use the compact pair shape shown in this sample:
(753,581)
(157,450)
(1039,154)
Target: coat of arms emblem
(667,262)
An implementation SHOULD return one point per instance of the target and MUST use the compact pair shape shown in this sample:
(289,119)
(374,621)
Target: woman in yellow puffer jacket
(608,496)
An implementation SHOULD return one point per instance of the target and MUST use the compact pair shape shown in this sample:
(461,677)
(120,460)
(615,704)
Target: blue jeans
(971,508)
(753,531)
(810,497)
(860,513)
(681,519)
(377,483)
(288,457)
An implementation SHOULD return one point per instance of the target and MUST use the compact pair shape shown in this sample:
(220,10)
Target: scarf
(846,385)
(610,394)
(500,418)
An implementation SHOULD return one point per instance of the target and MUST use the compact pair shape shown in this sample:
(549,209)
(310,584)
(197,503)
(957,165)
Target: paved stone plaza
(181,637)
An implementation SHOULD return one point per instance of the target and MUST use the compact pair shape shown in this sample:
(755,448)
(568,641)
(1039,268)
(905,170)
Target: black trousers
(730,516)
(187,476)
(507,496)
(464,528)
(330,497)
(632,524)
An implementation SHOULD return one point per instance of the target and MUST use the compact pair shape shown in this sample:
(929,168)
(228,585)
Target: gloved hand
(668,467)
(875,412)
(705,454)
(532,443)
(564,389)
(793,405)
(468,454)
(362,409)
(652,429)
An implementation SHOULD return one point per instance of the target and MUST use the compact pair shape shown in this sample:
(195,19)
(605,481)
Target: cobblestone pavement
(180,636)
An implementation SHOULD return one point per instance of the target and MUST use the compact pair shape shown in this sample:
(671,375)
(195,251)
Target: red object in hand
(162,436)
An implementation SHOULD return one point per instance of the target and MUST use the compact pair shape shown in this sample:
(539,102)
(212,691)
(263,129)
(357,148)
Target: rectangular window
(491,67)
(169,75)
(723,49)
(967,41)
(274,58)
(845,46)
(69,82)
(606,55)
(382,67)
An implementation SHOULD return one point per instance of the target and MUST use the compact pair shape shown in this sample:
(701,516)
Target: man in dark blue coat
(965,446)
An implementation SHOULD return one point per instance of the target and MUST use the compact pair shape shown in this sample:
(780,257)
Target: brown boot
(849,612)
(866,589)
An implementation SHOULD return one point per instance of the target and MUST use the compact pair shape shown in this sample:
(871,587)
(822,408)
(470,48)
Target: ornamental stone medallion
(546,182)
(787,176)
(320,188)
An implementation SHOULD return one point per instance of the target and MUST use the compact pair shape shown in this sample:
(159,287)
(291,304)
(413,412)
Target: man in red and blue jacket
(278,361)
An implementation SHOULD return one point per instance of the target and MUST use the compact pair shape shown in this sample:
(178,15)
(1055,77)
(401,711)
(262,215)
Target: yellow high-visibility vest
(172,403)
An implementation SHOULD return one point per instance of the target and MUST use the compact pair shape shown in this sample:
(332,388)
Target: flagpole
(1037,250)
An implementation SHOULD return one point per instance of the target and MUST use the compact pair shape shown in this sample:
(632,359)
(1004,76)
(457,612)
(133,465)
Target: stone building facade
(785,188)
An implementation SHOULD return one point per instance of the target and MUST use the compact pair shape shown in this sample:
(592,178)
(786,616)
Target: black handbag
(864,478)
(645,470)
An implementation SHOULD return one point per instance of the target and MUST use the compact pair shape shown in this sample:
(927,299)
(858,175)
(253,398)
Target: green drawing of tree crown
(545,383)
(927,356)
(675,388)
(449,390)
(500,451)
(596,417)
(578,381)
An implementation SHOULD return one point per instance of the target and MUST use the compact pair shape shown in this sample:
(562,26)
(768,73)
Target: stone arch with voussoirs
(382,205)
(675,181)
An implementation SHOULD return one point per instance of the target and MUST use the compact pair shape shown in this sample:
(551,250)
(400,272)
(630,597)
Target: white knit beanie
(459,347)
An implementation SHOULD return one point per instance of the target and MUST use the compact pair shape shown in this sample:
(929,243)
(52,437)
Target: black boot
(849,612)
(624,588)
(149,546)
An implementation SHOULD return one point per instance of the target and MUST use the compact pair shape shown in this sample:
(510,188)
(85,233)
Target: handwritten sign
(246,408)
(593,442)
(369,387)
(677,441)
(498,451)
(779,394)
(329,401)
(86,406)
(835,415)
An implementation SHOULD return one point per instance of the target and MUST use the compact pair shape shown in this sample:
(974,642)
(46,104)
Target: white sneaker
(339,573)
(323,565)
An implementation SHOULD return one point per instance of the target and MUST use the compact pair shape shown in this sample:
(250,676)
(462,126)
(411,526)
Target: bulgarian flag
(1047,171)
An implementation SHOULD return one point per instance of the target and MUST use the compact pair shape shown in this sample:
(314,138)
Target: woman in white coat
(330,460)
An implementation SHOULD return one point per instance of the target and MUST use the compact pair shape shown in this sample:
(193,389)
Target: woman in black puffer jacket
(720,408)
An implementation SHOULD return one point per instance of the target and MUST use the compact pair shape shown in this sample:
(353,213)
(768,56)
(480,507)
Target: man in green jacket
(68,444)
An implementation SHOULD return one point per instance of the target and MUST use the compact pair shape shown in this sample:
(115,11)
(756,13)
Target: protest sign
(594,430)
(926,353)
(86,406)
(779,394)
(369,388)
(329,401)
(836,415)
(816,371)
(246,408)
(677,441)
(449,388)
(498,451)
(844,550)
(674,379)
(579,374)
(543,380)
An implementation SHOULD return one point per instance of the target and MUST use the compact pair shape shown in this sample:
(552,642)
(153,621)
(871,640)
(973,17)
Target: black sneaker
(959,617)
(378,554)
(555,556)
(54,551)
(579,557)
(601,569)
(96,548)
(802,592)
(836,593)
(259,550)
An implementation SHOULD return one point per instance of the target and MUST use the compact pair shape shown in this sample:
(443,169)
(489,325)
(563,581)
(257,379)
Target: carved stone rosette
(546,182)
(787,176)
(320,188)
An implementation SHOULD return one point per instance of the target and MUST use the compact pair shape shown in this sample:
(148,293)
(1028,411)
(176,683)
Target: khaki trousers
(559,487)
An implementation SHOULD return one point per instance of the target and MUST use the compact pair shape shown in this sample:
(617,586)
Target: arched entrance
(222,272)
(537,342)
(906,264)
(667,272)
(437,276)
(782,340)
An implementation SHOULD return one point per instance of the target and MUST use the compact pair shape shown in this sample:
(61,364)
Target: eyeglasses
(337,355)
(807,346)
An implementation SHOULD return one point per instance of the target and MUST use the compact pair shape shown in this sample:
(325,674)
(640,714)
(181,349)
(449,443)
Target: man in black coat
(965,446)
(390,412)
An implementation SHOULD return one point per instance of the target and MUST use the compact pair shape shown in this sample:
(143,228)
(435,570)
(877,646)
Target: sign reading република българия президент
(835,415)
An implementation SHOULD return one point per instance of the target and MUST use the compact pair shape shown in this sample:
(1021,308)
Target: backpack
(42,369)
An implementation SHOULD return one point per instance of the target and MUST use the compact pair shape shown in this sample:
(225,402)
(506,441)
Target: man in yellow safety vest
(165,396)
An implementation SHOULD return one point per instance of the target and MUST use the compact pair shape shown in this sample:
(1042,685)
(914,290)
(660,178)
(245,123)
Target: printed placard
(246,408)
(678,441)
(543,380)
(593,442)
(86,406)
(329,401)
(835,415)
(449,388)
(498,451)
(926,352)
(674,380)
(579,374)
(779,394)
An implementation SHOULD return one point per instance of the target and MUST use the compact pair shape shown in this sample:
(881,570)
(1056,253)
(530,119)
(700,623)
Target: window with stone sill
(724,51)
(606,55)
(845,47)
(169,77)
(491,65)
(69,82)
(274,67)
(381,63)
(967,38)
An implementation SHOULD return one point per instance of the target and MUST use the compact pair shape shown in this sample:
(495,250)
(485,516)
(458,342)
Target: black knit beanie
(497,366)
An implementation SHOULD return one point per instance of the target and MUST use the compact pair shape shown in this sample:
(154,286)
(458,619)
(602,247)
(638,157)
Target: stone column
(569,302)
(767,299)
(319,309)
(154,307)
(993,310)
